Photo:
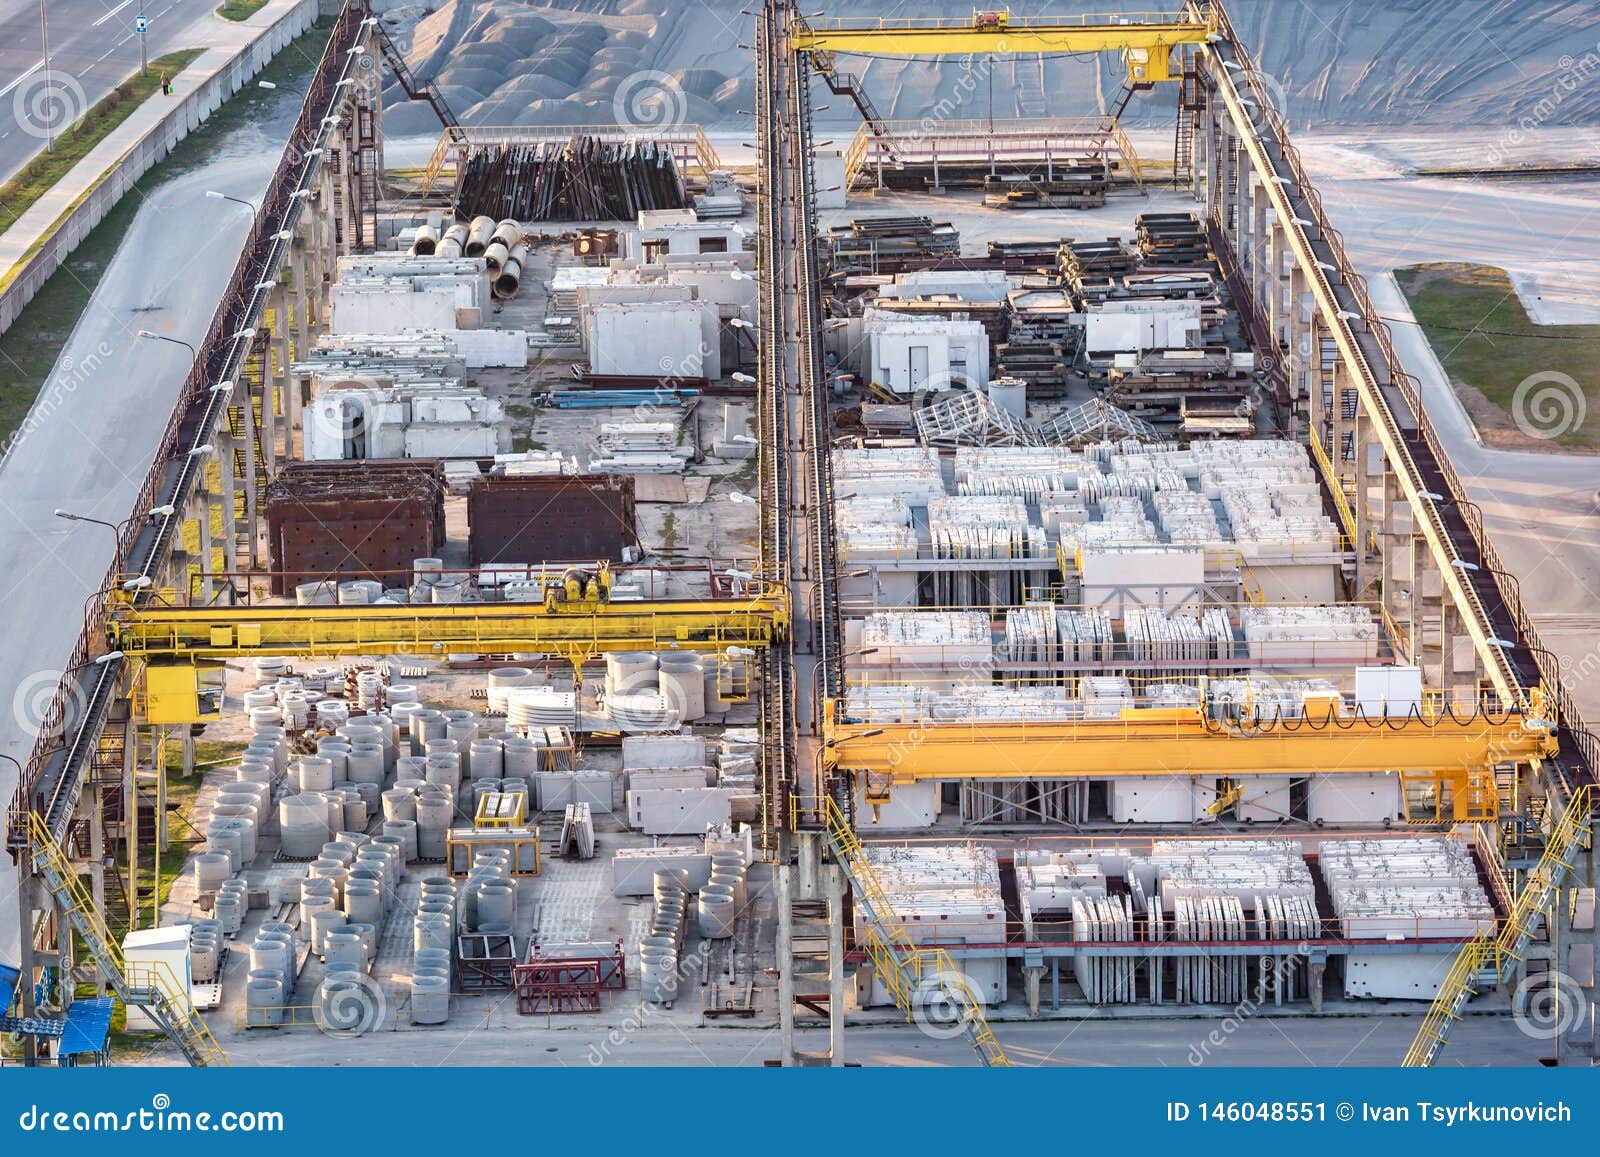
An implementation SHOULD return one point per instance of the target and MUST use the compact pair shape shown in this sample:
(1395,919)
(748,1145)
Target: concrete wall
(185,117)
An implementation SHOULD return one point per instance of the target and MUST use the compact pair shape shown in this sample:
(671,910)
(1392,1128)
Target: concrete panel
(679,811)
(914,805)
(633,869)
(643,751)
(1354,799)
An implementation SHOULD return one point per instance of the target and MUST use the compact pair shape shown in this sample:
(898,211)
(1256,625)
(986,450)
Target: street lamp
(151,335)
(49,106)
(114,528)
(215,195)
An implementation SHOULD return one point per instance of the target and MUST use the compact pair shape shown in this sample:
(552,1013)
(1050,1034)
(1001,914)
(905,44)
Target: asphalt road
(1540,507)
(93,49)
(94,432)
(1181,1043)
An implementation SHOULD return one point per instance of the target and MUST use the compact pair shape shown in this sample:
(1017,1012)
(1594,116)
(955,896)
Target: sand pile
(1482,62)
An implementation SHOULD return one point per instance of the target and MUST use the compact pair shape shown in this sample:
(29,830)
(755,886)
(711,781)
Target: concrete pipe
(430,1000)
(454,241)
(406,832)
(479,233)
(508,281)
(426,243)
(230,911)
(211,871)
(508,233)
(714,915)
(324,919)
(495,257)
(263,999)
(344,944)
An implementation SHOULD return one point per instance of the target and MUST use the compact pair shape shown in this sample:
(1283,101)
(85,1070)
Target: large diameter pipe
(454,241)
(508,233)
(427,241)
(495,256)
(478,235)
(509,281)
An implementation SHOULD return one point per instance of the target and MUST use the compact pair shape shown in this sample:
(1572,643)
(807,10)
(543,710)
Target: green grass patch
(240,9)
(41,174)
(1526,386)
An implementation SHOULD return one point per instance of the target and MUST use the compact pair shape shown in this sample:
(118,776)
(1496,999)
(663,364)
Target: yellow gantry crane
(1145,39)
(176,644)
(1455,753)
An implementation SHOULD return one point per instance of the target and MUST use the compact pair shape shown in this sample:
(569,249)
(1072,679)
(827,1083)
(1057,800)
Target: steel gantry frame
(1425,546)
(1000,33)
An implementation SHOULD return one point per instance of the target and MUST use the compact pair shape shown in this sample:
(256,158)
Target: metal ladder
(906,970)
(849,84)
(150,986)
(1486,961)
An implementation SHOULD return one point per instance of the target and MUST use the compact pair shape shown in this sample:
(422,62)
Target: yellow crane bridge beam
(1162,741)
(916,37)
(577,631)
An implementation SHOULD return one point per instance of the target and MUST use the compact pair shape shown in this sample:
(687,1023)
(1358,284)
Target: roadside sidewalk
(225,42)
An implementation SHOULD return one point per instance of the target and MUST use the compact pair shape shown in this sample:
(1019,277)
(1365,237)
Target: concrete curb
(101,192)
(1386,286)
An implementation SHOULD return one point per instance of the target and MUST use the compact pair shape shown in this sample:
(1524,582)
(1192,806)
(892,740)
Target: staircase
(733,677)
(848,84)
(1189,112)
(910,973)
(1485,962)
(415,89)
(149,986)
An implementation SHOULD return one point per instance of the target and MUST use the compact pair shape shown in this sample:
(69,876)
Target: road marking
(110,14)
(21,78)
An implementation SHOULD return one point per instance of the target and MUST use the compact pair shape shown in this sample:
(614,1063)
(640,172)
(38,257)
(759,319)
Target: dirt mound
(1515,63)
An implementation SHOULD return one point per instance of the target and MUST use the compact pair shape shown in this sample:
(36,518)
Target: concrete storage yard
(974,596)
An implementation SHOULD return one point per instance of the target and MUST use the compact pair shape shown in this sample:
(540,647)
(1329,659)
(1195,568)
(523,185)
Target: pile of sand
(1486,63)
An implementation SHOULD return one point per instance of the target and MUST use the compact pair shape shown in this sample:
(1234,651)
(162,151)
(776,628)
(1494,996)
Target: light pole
(151,335)
(116,533)
(49,111)
(217,196)
(140,26)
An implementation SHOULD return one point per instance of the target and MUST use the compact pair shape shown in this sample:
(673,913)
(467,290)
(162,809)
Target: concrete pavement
(94,431)
(1181,1042)
(1540,508)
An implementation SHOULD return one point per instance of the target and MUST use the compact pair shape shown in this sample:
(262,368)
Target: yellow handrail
(904,968)
(1496,955)
(148,984)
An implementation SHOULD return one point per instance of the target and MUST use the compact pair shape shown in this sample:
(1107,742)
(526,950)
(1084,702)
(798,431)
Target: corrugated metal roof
(88,1025)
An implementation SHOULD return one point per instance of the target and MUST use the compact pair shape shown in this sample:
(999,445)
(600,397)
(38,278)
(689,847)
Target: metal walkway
(912,974)
(1488,961)
(150,986)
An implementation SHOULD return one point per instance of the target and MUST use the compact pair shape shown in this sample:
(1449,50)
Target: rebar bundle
(580,179)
